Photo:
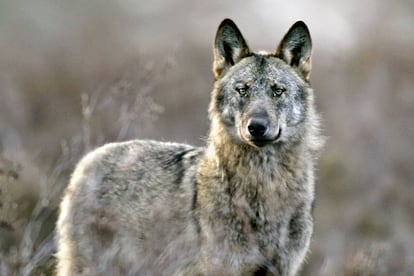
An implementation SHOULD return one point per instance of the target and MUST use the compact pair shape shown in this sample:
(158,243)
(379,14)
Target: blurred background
(77,74)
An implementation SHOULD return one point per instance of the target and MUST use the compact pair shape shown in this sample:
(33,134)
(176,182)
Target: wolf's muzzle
(260,132)
(258,127)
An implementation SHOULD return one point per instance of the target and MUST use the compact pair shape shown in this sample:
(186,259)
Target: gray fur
(239,206)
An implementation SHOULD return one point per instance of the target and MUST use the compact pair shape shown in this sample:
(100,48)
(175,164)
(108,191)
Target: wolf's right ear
(229,47)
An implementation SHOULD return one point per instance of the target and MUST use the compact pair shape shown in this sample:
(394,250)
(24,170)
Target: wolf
(241,205)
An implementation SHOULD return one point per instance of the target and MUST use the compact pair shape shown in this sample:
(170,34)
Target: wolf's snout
(258,127)
(260,131)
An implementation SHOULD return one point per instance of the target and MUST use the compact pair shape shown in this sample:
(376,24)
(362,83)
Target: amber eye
(242,90)
(277,91)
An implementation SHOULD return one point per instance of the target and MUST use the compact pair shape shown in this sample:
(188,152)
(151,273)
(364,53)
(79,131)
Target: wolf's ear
(296,48)
(229,47)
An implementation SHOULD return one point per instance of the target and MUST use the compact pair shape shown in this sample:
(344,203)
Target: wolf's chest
(246,234)
(259,223)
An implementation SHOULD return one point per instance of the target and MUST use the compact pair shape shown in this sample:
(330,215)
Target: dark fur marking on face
(261,62)
(242,103)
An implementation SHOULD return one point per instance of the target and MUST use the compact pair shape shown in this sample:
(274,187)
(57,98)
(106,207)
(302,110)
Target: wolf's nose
(258,127)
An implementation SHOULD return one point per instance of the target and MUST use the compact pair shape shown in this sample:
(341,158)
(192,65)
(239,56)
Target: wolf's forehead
(264,66)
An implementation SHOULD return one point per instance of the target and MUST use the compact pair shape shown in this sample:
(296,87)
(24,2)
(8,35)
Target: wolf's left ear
(229,47)
(296,48)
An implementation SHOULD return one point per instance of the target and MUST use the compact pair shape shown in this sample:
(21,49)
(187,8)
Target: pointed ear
(229,47)
(296,48)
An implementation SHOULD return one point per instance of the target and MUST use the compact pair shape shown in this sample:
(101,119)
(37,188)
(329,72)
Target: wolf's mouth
(262,141)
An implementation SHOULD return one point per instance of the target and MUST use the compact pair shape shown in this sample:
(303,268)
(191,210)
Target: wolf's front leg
(300,230)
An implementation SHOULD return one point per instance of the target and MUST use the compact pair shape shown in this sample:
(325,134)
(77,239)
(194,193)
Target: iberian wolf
(242,205)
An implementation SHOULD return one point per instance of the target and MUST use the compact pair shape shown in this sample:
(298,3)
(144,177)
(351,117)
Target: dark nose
(258,127)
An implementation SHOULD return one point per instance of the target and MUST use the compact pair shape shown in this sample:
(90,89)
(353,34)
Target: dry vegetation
(75,75)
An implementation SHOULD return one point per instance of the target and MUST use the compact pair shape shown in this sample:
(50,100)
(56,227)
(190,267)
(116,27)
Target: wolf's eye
(277,91)
(242,90)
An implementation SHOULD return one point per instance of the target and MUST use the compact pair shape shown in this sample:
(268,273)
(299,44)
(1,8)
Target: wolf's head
(262,98)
